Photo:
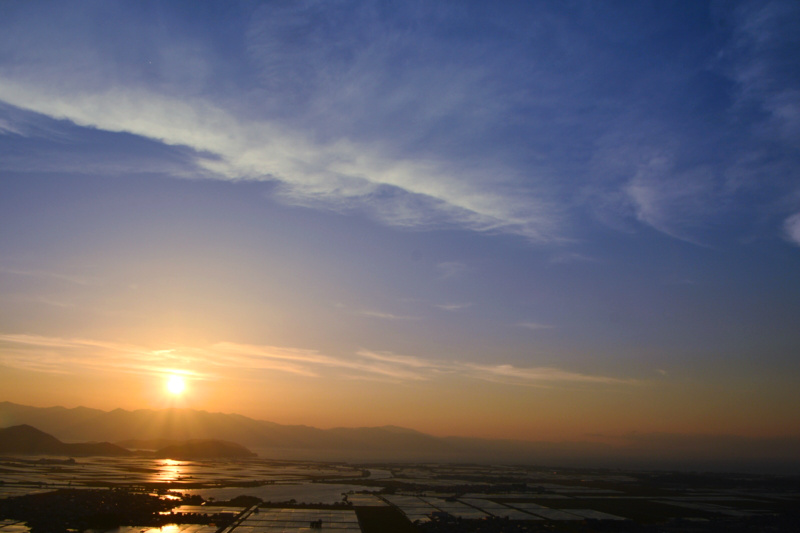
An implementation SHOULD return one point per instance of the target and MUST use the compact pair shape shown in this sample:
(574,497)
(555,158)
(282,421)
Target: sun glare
(176,385)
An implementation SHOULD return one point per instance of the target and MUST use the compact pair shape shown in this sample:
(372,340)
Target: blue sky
(565,203)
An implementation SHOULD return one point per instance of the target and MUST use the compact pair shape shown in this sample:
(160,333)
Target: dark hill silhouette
(28,440)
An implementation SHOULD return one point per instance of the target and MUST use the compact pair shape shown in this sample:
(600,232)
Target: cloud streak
(71,355)
(453,307)
(76,280)
(67,356)
(387,316)
(512,375)
(340,174)
(792,227)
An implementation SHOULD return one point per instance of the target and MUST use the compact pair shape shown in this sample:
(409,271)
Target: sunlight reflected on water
(170,470)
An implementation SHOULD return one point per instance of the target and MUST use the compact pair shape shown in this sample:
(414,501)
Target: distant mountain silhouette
(168,427)
(28,440)
(153,429)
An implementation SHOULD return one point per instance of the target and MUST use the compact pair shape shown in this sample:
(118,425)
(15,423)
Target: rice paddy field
(291,497)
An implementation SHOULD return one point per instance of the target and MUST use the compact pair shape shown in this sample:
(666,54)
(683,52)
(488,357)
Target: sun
(176,385)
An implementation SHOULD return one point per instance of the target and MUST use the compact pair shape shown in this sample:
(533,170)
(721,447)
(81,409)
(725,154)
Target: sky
(528,220)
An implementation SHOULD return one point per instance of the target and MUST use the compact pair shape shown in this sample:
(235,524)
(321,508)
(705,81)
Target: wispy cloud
(671,201)
(340,174)
(534,325)
(66,356)
(70,355)
(69,278)
(537,375)
(761,61)
(310,363)
(270,358)
(453,307)
(792,227)
(387,316)
(355,123)
(6,128)
(402,360)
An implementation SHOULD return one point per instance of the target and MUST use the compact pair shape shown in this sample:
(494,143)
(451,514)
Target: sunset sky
(532,220)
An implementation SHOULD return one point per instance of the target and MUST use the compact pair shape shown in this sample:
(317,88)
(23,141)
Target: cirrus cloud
(39,353)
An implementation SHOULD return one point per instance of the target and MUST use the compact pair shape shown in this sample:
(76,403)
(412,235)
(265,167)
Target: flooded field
(26,475)
(252,496)
(325,493)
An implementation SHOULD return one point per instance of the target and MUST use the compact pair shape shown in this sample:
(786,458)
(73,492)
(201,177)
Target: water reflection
(170,470)
(171,528)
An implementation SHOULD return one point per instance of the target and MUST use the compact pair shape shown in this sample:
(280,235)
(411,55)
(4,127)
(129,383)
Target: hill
(28,440)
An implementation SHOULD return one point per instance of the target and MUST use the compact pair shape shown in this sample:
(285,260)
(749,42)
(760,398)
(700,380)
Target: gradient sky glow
(533,220)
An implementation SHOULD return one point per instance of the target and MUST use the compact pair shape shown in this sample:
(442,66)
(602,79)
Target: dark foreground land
(123,495)
(82,509)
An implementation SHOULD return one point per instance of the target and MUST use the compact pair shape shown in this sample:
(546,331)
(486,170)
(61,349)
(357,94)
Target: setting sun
(176,385)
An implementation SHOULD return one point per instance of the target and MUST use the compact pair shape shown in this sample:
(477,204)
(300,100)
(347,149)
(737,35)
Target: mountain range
(392,443)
